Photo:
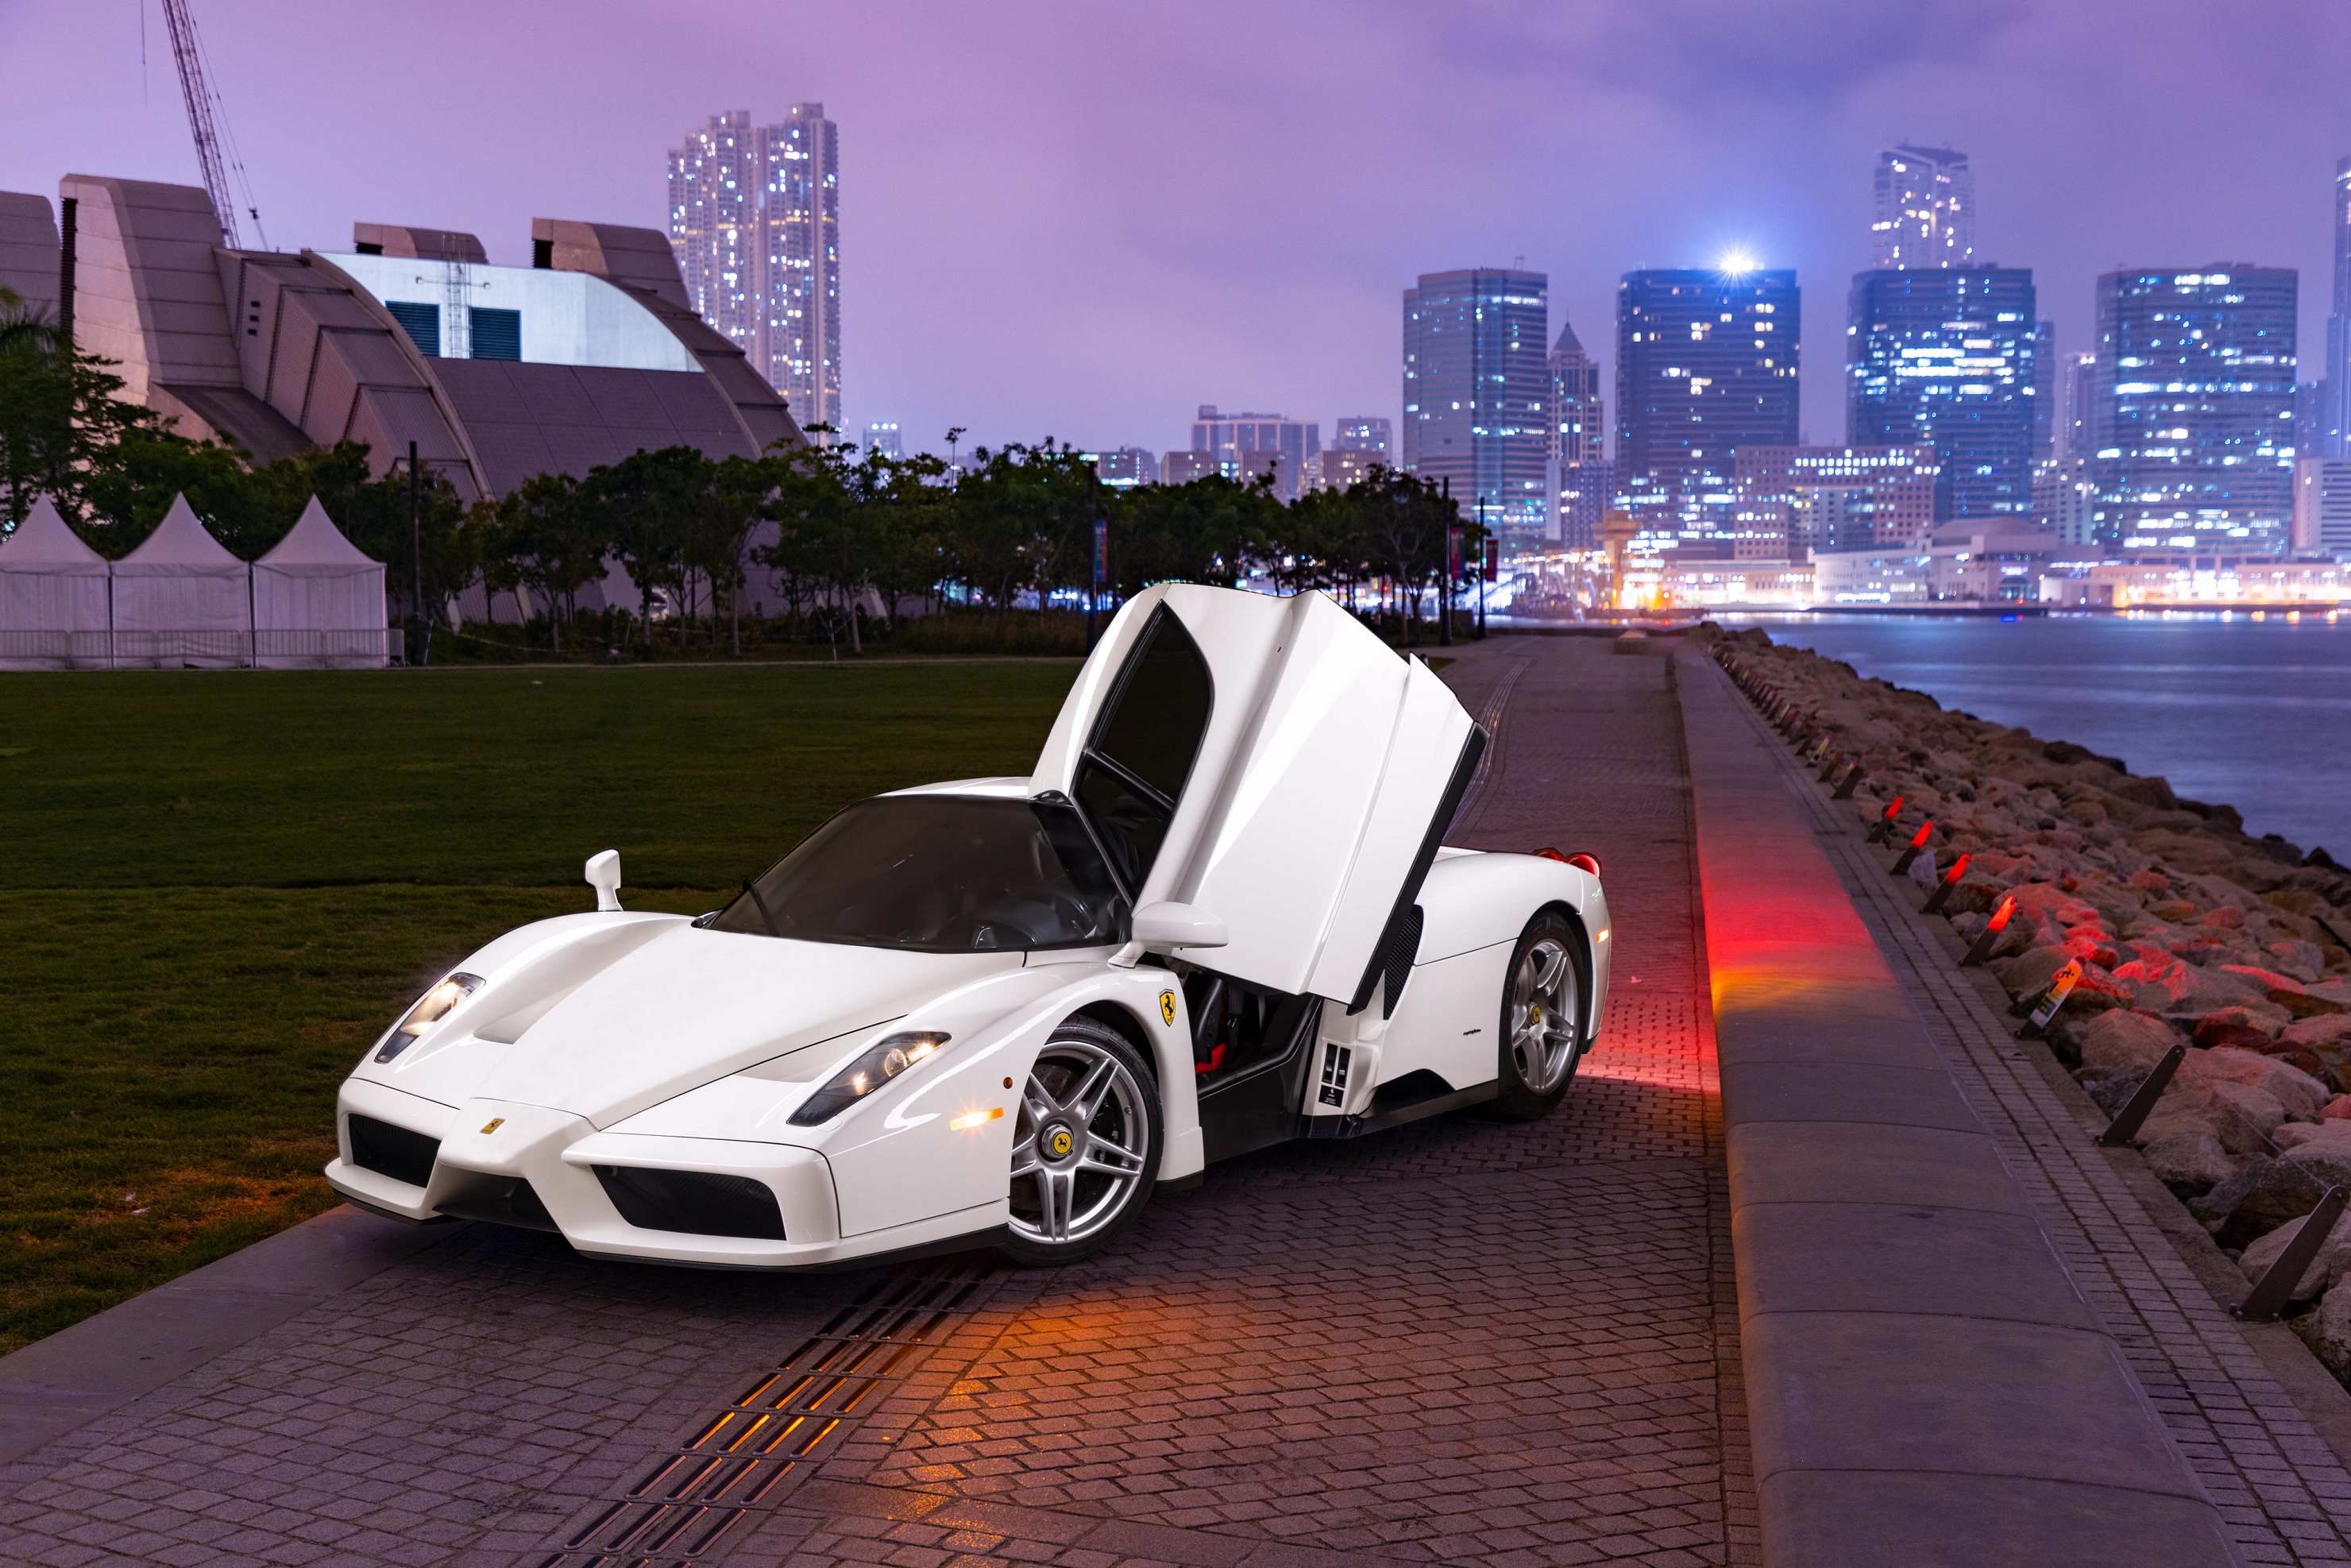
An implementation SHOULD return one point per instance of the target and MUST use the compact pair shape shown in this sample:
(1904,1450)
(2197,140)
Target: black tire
(1092,1187)
(1544,995)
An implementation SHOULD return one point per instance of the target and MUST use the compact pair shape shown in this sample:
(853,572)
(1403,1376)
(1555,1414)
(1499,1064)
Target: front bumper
(488,1147)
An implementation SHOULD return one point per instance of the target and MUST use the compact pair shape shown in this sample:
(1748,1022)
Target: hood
(692,1005)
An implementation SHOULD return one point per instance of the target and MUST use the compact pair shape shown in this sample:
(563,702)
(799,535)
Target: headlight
(890,1056)
(430,1008)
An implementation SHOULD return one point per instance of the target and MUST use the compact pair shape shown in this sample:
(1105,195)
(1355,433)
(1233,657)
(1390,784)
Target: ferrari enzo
(1217,915)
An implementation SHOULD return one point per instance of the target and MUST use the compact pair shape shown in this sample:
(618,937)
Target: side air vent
(1335,1062)
(395,1152)
(697,1203)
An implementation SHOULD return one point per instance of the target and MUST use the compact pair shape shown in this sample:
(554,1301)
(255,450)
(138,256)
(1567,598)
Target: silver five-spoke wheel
(1543,1006)
(1542,1018)
(1085,1146)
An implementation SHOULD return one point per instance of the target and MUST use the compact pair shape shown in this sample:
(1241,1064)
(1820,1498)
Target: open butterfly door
(1274,762)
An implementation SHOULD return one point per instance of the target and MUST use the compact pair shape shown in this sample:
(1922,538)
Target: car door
(1274,762)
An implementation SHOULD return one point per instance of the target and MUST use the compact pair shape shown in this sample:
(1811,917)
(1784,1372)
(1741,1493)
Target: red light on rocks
(1999,921)
(1919,840)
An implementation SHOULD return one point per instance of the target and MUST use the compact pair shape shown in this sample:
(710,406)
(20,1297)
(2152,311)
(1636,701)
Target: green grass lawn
(218,889)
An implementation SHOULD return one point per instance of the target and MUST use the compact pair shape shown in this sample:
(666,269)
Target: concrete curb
(100,1364)
(1926,1383)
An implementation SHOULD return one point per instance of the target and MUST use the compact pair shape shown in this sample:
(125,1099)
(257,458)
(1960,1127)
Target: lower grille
(395,1152)
(696,1203)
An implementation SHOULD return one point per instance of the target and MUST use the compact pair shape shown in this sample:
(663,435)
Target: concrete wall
(28,248)
(146,293)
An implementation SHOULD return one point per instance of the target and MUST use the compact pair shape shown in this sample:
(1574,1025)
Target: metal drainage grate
(680,1509)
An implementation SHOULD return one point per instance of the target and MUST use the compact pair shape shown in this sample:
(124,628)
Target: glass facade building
(1945,356)
(1925,209)
(2193,444)
(1477,395)
(2335,376)
(1363,433)
(1706,364)
(1574,474)
(755,219)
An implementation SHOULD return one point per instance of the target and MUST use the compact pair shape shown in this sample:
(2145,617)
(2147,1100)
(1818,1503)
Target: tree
(1402,521)
(60,422)
(1203,531)
(1020,519)
(641,505)
(818,538)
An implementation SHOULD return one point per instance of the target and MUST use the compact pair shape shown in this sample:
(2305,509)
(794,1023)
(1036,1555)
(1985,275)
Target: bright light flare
(975,1119)
(1736,260)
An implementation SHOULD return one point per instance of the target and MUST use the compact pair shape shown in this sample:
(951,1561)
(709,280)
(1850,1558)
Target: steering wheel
(1069,910)
(964,930)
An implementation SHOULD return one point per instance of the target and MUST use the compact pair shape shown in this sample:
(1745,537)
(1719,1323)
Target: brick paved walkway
(2278,1483)
(1457,1341)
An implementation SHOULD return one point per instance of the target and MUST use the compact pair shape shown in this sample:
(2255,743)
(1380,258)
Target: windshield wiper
(764,913)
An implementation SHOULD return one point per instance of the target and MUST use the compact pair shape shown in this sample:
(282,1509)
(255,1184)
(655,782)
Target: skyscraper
(1573,470)
(755,218)
(714,226)
(2335,376)
(2077,396)
(1476,395)
(1944,357)
(2194,434)
(886,439)
(1706,364)
(2044,391)
(1926,209)
(1363,433)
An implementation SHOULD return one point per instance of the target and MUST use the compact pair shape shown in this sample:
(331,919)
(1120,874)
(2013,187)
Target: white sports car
(1000,1011)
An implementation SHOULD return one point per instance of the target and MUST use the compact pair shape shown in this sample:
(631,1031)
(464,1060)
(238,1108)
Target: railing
(357,648)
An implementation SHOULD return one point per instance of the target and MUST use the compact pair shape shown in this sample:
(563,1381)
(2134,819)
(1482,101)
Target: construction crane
(202,108)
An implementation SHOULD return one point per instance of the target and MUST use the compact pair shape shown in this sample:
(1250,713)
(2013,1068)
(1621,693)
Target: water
(2230,710)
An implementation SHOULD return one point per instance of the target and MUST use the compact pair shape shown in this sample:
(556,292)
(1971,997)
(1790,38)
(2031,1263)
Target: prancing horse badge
(1167,1006)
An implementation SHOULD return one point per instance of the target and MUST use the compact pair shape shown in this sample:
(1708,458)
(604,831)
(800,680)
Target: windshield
(940,873)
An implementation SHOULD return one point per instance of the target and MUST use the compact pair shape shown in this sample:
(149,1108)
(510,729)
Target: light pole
(416,551)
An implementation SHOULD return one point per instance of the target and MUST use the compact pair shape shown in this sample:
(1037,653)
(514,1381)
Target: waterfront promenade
(1966,1332)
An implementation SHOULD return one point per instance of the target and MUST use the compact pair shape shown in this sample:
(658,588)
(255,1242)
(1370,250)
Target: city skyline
(995,287)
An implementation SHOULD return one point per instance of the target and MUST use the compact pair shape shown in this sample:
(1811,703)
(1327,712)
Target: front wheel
(1543,1020)
(1085,1150)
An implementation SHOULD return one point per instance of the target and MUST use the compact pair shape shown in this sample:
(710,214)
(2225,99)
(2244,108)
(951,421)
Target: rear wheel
(1543,1020)
(1085,1149)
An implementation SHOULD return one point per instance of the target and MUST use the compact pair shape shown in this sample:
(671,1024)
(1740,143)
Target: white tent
(53,610)
(317,602)
(181,598)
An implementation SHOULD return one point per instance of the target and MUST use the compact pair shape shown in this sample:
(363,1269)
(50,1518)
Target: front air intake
(697,1203)
(395,1152)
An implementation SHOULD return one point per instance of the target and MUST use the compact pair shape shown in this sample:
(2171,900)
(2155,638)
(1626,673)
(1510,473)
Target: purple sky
(1084,220)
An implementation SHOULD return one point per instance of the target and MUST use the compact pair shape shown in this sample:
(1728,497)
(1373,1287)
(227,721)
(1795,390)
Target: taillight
(1581,861)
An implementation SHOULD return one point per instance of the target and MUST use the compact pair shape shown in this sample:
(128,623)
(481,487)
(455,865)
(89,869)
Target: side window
(1144,745)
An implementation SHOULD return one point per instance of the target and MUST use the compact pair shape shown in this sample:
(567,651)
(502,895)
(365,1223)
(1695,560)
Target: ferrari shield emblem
(1060,1143)
(496,1123)
(1167,1006)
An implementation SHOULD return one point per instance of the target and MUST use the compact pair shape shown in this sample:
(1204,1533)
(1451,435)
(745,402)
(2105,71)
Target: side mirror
(604,876)
(1178,925)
